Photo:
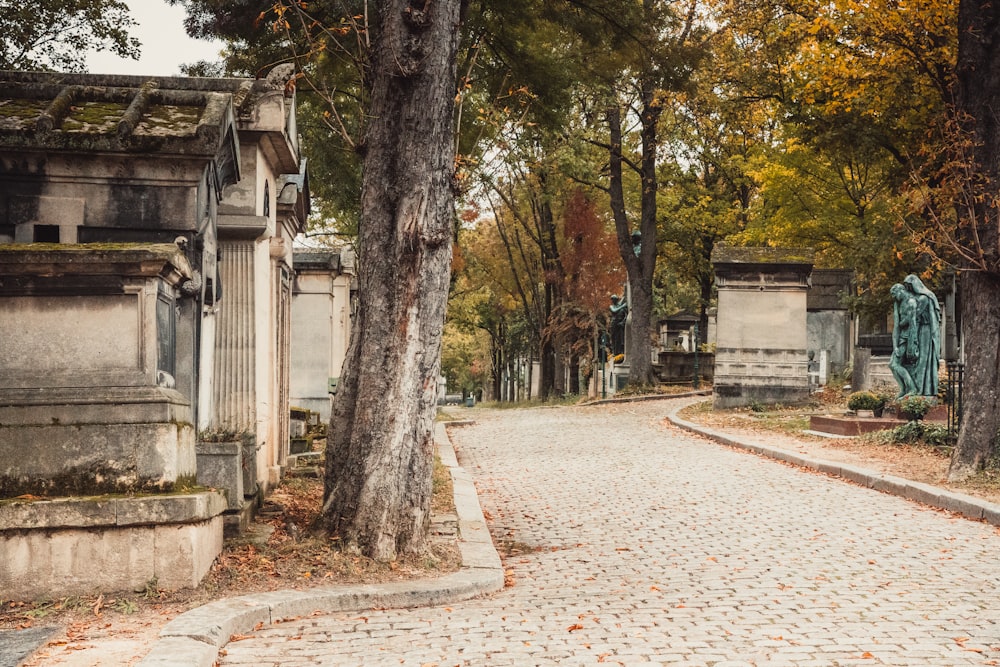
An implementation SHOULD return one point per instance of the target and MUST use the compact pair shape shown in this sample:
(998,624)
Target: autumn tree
(662,46)
(486,296)
(855,87)
(970,232)
(713,132)
(56,34)
(521,211)
(593,271)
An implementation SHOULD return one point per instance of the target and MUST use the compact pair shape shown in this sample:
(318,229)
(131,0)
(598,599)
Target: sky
(165,45)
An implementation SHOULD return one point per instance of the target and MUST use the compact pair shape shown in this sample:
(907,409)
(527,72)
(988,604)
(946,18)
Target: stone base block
(76,546)
(220,466)
(845,425)
(729,394)
(102,440)
(851,425)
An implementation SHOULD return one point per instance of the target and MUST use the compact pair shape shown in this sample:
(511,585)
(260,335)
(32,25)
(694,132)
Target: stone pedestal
(760,353)
(76,546)
(87,371)
(220,466)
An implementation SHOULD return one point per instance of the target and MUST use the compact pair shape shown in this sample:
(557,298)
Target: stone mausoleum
(322,308)
(761,336)
(145,288)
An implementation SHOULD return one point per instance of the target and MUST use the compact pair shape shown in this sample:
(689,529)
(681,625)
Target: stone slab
(16,645)
(104,511)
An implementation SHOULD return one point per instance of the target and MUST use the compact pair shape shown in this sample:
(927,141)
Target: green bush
(914,407)
(911,433)
(864,400)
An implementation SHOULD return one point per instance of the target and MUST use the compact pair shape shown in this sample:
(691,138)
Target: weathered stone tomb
(761,336)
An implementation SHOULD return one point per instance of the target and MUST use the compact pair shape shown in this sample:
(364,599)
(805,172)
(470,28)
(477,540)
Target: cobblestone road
(653,546)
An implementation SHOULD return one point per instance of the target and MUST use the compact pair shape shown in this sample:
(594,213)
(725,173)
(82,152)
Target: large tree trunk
(978,88)
(977,437)
(574,375)
(639,266)
(380,451)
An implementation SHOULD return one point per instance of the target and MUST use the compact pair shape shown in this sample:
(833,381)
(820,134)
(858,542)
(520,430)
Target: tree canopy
(56,34)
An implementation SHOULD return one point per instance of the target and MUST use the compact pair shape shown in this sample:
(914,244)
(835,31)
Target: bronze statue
(619,313)
(916,338)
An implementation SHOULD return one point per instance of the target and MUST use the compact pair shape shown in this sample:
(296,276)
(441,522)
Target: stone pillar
(281,348)
(761,353)
(235,370)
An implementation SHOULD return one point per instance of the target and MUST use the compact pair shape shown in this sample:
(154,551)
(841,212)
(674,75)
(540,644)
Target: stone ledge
(109,512)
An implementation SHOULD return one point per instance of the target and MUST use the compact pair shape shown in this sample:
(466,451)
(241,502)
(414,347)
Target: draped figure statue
(916,338)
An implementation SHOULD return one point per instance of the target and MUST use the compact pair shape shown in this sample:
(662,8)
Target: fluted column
(234,391)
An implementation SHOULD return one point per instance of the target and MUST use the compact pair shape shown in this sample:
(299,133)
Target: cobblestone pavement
(652,546)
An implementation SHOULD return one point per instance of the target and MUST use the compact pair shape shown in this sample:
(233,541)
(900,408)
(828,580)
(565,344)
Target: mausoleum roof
(726,254)
(182,116)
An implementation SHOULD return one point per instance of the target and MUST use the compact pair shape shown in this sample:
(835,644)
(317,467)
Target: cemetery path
(630,542)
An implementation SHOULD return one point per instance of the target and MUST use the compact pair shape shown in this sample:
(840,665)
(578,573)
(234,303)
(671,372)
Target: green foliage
(854,88)
(324,41)
(56,34)
(914,407)
(464,358)
(913,433)
(864,400)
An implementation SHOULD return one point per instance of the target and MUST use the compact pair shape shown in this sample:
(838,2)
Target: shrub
(912,433)
(914,407)
(864,400)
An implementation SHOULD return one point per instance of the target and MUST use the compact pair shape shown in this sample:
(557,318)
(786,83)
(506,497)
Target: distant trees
(56,34)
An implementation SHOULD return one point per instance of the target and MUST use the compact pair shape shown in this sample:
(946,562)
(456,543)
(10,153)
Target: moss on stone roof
(725,254)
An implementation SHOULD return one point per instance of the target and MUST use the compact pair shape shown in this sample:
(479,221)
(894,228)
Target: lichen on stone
(170,120)
(16,114)
(94,117)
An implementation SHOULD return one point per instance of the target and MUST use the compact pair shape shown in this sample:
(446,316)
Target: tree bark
(380,450)
(574,375)
(977,89)
(640,267)
(977,437)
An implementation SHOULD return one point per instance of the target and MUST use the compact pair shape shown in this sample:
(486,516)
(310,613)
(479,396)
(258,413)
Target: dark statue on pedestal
(916,338)
(619,313)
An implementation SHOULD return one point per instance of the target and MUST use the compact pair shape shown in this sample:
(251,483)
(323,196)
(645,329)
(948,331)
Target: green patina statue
(916,338)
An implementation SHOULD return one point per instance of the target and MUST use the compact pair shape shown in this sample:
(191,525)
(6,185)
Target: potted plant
(914,408)
(864,403)
(886,394)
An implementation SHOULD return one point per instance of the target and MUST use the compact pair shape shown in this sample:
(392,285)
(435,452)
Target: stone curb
(927,494)
(194,638)
(646,397)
